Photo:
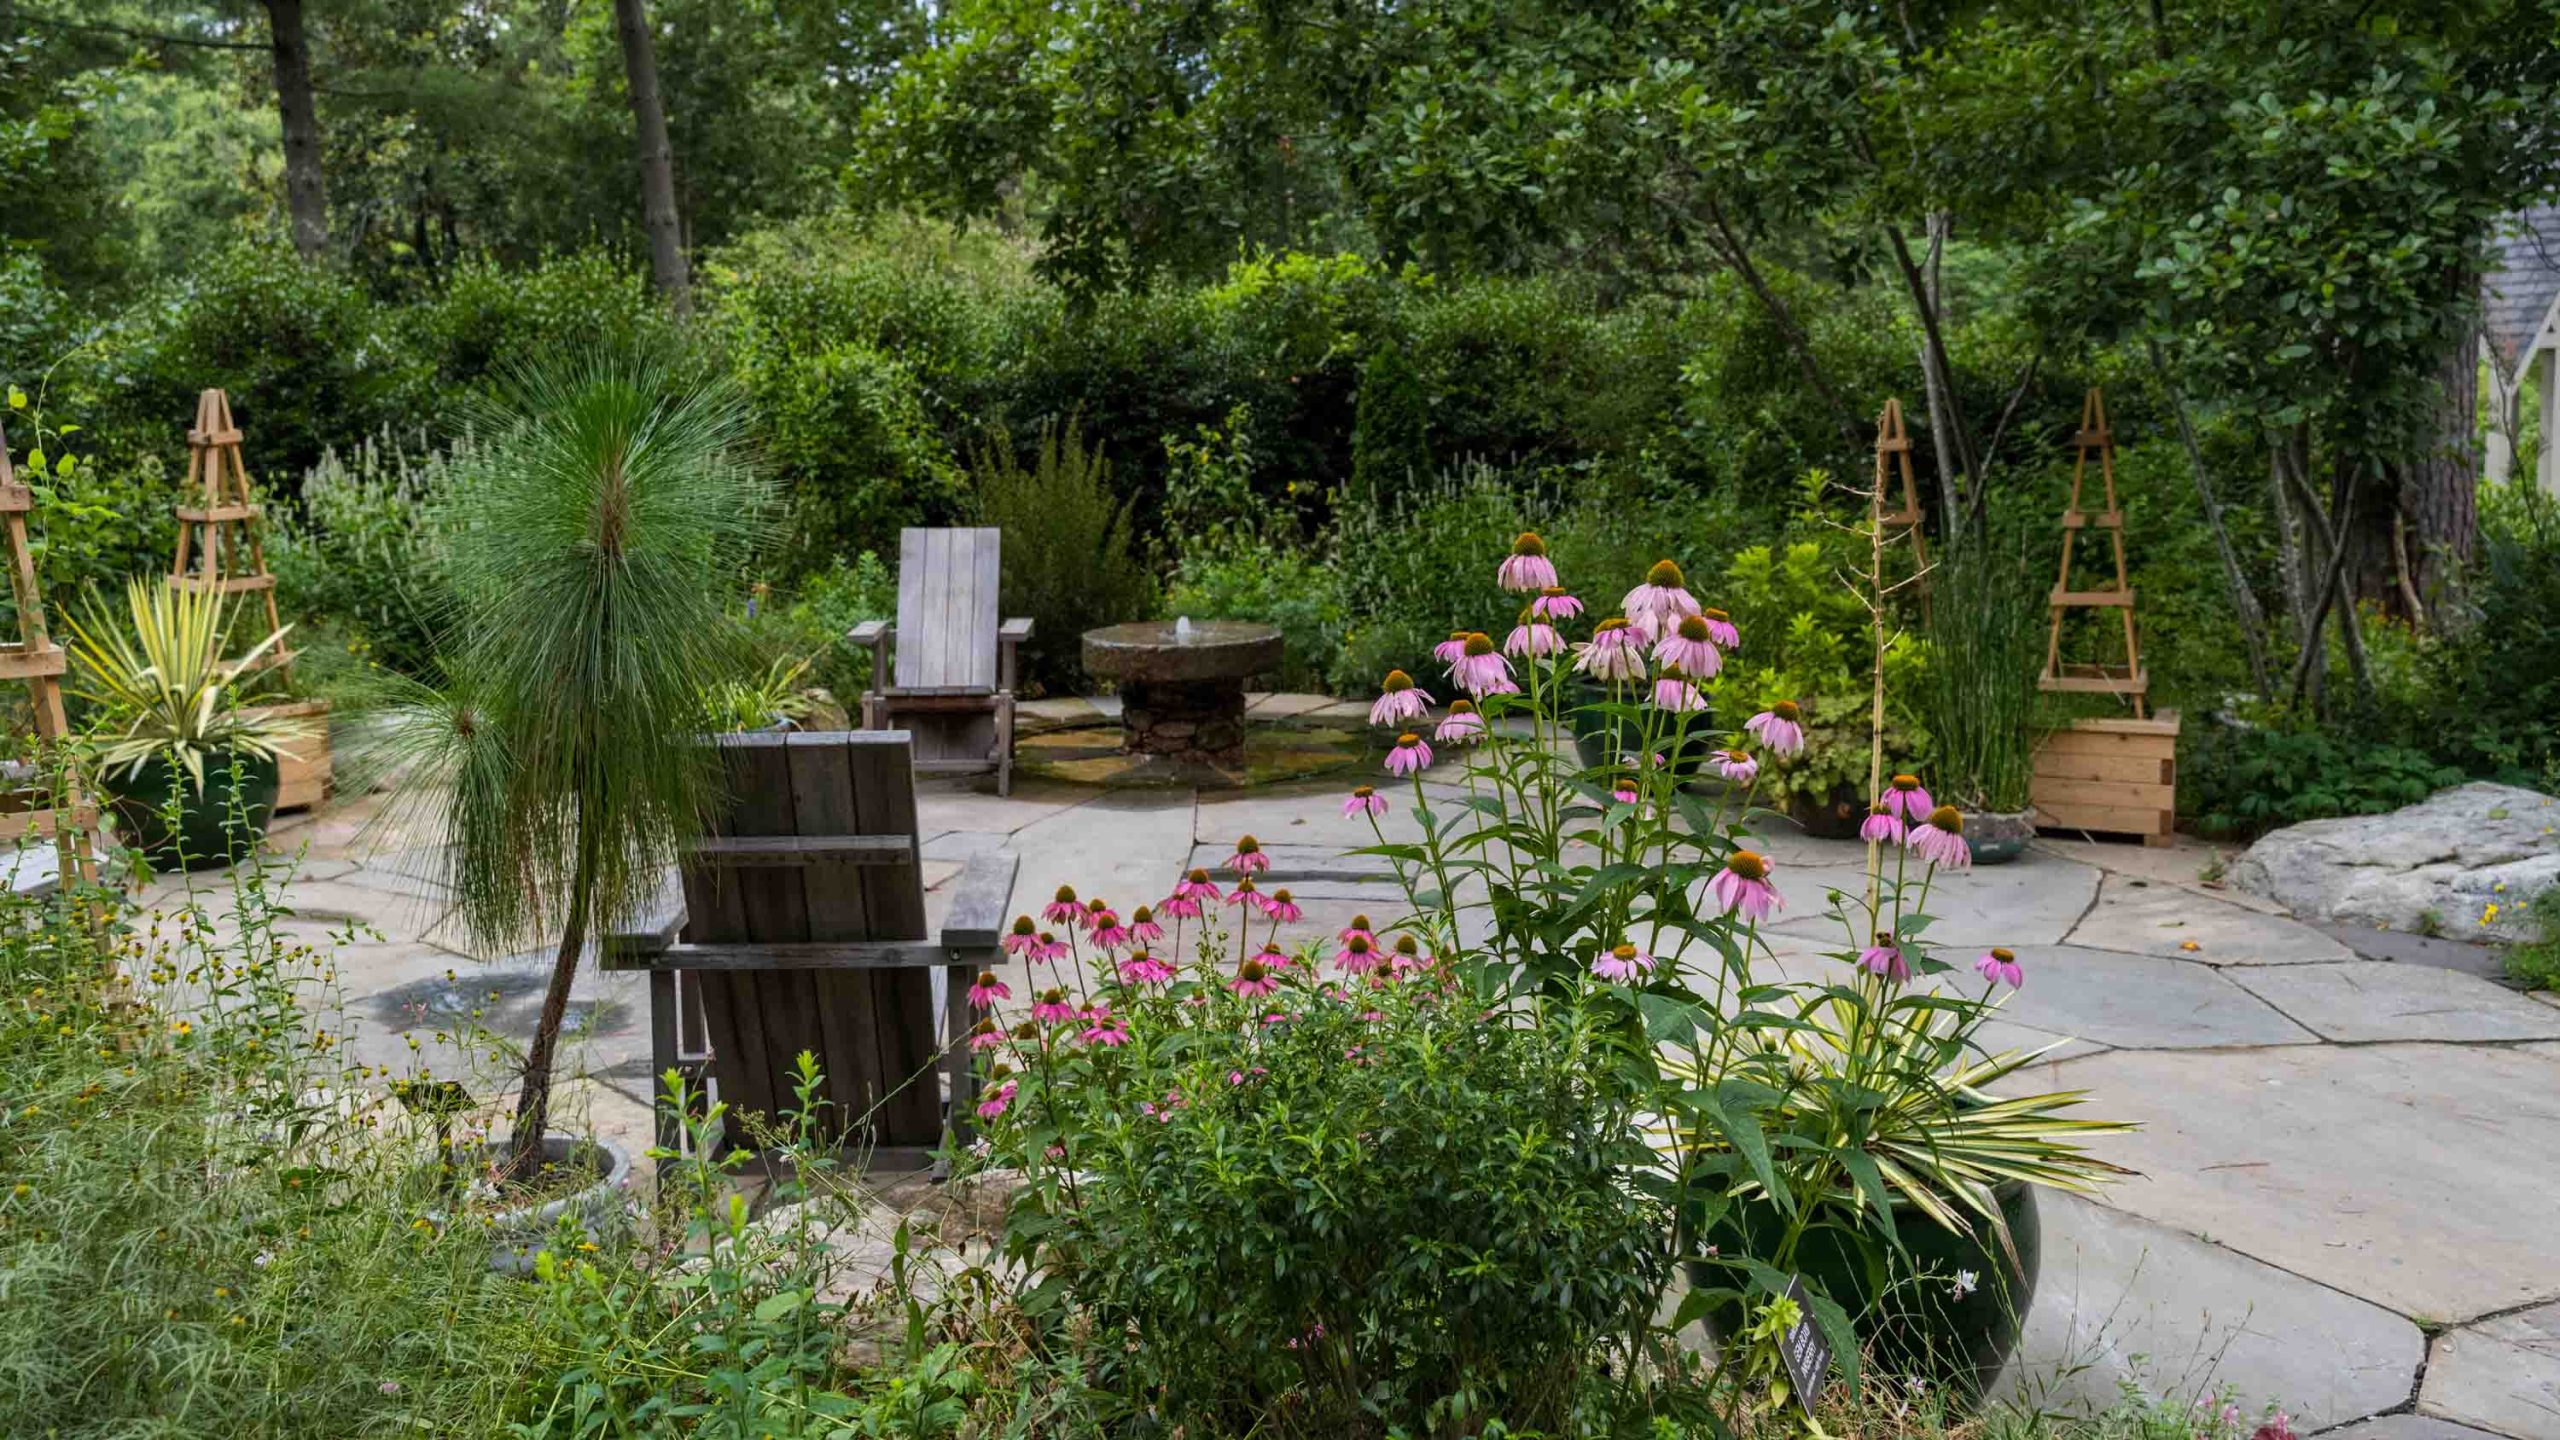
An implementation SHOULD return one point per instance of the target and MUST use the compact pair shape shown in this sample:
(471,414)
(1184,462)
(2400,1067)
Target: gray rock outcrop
(2449,857)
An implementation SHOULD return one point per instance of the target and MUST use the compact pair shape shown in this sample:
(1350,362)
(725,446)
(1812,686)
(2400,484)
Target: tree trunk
(2293,547)
(1938,375)
(657,155)
(1729,248)
(306,193)
(2244,601)
(533,1097)
(1952,468)
(2437,523)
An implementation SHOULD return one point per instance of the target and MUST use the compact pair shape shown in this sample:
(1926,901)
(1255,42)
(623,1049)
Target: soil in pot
(581,1178)
(1948,1311)
(176,826)
(1997,837)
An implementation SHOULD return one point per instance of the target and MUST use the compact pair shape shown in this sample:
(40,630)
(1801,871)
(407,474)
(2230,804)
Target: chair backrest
(872,1029)
(947,608)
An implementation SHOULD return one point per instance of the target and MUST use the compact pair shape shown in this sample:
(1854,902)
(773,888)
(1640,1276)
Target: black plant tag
(1807,1354)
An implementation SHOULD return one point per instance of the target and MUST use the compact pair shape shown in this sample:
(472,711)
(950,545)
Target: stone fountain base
(1195,720)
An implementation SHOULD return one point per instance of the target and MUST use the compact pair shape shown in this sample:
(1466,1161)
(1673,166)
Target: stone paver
(2148,918)
(2405,1426)
(2121,1299)
(2396,1173)
(2375,1000)
(2140,1001)
(2502,1374)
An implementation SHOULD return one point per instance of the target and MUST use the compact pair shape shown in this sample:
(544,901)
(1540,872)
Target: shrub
(845,431)
(483,317)
(2245,779)
(365,551)
(1391,429)
(1067,560)
(1987,626)
(1283,587)
(1383,1216)
(1395,558)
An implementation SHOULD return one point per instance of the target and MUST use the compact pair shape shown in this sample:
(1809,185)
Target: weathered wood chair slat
(803,929)
(949,660)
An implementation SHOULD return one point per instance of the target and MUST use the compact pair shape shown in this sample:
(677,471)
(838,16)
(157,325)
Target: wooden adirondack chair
(955,664)
(802,928)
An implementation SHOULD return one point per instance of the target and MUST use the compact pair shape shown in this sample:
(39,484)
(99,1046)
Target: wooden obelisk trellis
(218,520)
(1893,446)
(2128,678)
(66,815)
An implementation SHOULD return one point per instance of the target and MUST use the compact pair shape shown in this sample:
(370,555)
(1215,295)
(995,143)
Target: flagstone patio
(2342,1182)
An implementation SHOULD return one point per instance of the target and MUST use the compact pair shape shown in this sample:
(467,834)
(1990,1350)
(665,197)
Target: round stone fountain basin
(1182,692)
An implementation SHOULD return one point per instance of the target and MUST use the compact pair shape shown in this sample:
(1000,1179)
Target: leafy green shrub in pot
(191,774)
(1986,626)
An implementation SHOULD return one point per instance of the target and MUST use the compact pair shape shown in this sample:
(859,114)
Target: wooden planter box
(302,778)
(2110,777)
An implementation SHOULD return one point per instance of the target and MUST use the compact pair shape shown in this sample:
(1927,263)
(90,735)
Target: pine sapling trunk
(533,1100)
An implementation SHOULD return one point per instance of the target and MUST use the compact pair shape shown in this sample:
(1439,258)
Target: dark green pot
(219,826)
(1836,816)
(1998,837)
(1908,1315)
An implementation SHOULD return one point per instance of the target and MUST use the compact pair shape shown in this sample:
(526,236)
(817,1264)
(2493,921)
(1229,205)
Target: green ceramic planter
(1998,837)
(216,827)
(1916,1319)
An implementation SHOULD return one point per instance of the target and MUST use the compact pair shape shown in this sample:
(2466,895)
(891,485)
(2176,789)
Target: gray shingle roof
(2523,281)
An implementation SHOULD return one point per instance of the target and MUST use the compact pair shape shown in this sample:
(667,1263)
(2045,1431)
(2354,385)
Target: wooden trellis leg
(1893,441)
(2128,679)
(38,661)
(218,531)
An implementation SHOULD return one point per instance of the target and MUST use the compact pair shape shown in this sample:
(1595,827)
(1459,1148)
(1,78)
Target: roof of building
(2523,282)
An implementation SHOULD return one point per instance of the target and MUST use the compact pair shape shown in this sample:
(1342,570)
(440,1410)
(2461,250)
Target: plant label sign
(1807,1354)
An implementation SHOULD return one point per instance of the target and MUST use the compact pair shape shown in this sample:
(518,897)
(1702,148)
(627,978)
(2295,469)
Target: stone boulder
(2450,856)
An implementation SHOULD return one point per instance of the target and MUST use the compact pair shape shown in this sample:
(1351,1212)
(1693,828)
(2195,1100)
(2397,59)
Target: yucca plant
(161,683)
(595,536)
(780,693)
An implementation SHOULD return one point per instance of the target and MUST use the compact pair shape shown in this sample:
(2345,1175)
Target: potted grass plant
(595,534)
(188,764)
(1977,690)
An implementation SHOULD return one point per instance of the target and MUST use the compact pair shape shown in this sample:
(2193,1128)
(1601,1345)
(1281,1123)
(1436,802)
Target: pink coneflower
(1282,907)
(1480,671)
(1533,640)
(1743,886)
(1406,956)
(1907,800)
(1553,604)
(1463,725)
(1780,728)
(1145,969)
(1248,859)
(1527,567)
(1410,757)
(1625,794)
(1253,978)
(1108,932)
(1655,606)
(2000,967)
(1720,628)
(1686,648)
(1451,650)
(1674,693)
(1358,956)
(1143,927)
(1062,908)
(1399,700)
(1365,800)
(1053,1007)
(1180,907)
(1023,938)
(997,1100)
(1101,1029)
(1094,910)
(1940,839)
(1614,652)
(1624,964)
(1359,926)
(988,990)
(1885,958)
(1195,886)
(1737,766)
(985,1036)
(1049,948)
(1882,827)
(1246,895)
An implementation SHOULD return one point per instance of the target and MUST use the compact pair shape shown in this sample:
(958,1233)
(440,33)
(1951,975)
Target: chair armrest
(979,899)
(1015,630)
(870,632)
(633,949)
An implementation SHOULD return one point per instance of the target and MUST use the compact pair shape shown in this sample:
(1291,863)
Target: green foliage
(366,550)
(2535,964)
(1986,626)
(1284,587)
(1385,1216)
(1067,547)
(1401,562)
(2242,780)
(164,687)
(846,429)
(1391,429)
(483,317)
